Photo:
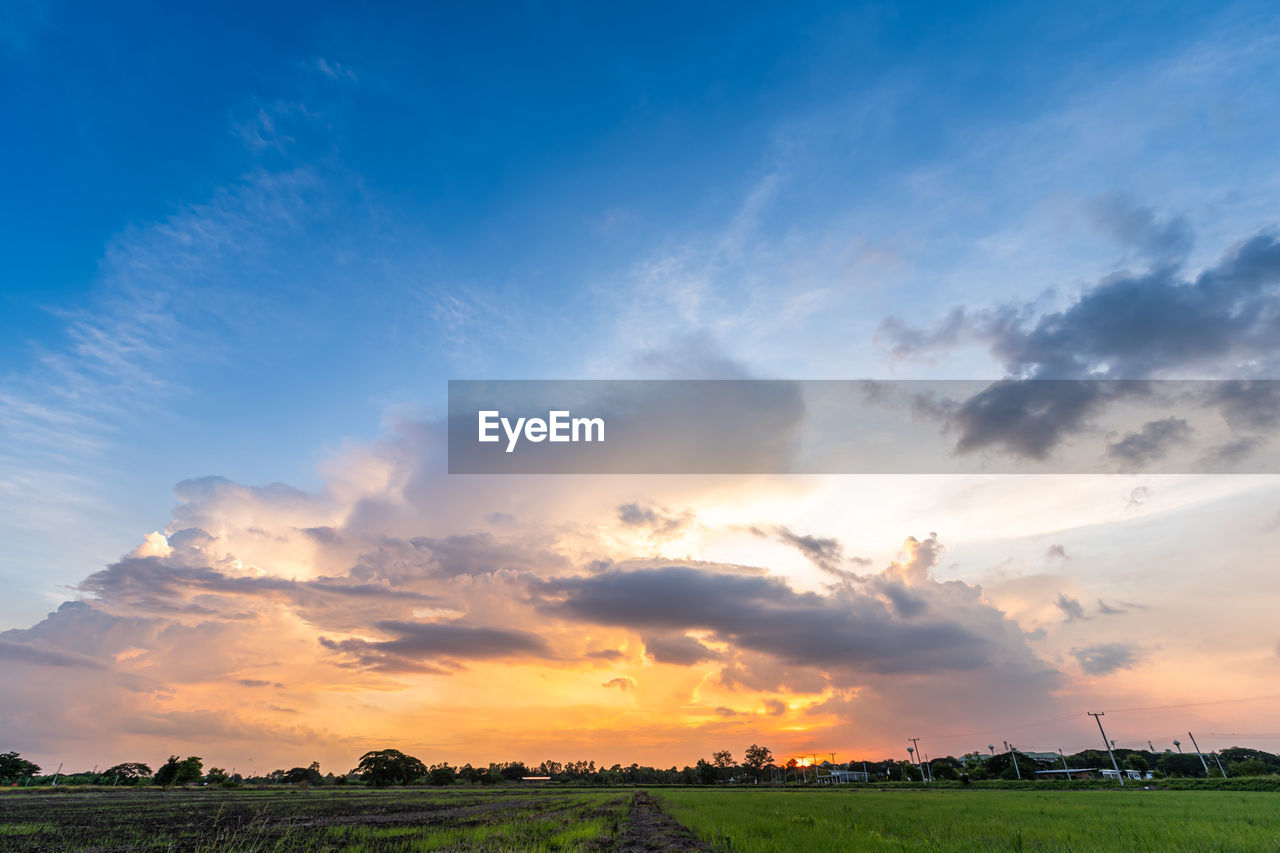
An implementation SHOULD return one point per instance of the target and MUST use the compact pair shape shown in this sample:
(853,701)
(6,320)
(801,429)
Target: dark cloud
(1105,658)
(660,523)
(257,682)
(775,707)
(678,649)
(1149,444)
(40,656)
(621,682)
(159,585)
(826,554)
(849,628)
(435,647)
(323,535)
(1126,326)
(1071,607)
(1027,418)
(1162,241)
(1107,610)
(1056,552)
(606,654)
(1230,454)
(1137,497)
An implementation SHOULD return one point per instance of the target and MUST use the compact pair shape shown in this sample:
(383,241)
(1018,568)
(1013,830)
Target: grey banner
(863,426)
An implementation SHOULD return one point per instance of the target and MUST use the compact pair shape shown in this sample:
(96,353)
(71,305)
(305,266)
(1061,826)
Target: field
(628,821)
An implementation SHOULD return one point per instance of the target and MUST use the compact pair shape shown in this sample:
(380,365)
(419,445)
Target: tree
(706,772)
(758,758)
(442,774)
(1250,767)
(129,771)
(1137,762)
(389,767)
(13,767)
(216,776)
(180,772)
(303,775)
(722,759)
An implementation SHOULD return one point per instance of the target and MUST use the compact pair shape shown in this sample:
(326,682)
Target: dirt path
(651,830)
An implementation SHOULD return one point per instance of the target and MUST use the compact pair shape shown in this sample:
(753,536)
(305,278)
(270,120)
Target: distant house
(1073,773)
(1128,774)
(829,774)
(535,778)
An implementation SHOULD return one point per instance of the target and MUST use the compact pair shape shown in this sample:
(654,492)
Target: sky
(243,249)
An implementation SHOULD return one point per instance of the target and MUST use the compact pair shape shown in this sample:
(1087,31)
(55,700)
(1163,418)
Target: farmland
(626,820)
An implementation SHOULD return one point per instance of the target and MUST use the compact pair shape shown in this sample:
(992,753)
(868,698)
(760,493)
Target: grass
(739,820)
(979,821)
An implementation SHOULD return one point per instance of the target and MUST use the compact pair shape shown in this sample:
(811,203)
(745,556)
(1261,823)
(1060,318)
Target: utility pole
(1149,746)
(920,767)
(1013,756)
(1219,762)
(56,774)
(1097,718)
(1178,744)
(1064,764)
(1198,753)
(992,747)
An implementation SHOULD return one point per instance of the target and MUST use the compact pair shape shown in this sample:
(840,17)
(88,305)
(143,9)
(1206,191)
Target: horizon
(247,250)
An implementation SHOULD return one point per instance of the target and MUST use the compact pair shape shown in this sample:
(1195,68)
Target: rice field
(736,820)
(815,821)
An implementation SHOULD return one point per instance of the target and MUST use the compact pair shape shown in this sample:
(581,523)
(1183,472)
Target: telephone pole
(1013,756)
(1097,718)
(916,750)
(1199,753)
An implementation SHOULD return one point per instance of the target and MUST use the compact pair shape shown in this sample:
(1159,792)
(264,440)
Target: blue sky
(304,217)
(247,241)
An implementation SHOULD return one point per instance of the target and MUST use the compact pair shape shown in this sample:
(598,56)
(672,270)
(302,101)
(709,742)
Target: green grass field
(815,821)
(738,820)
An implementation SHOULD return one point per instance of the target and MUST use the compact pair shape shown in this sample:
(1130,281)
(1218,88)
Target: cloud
(826,554)
(622,683)
(1162,241)
(678,649)
(775,707)
(1137,497)
(1071,607)
(1132,326)
(854,627)
(24,653)
(612,655)
(659,523)
(1106,658)
(1056,552)
(443,643)
(1148,444)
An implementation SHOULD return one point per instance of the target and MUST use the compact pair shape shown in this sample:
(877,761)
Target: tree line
(393,767)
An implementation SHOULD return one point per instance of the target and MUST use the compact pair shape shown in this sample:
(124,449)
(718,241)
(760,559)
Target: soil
(651,830)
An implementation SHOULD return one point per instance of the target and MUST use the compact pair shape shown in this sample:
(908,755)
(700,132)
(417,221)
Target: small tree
(722,759)
(216,776)
(130,771)
(389,767)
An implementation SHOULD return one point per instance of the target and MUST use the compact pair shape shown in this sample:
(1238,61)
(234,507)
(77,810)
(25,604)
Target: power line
(1044,722)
